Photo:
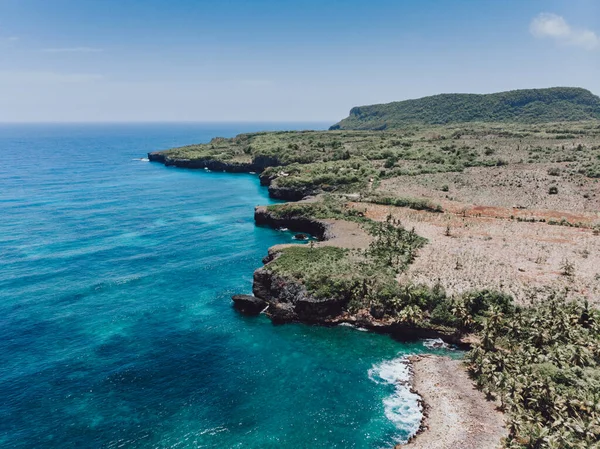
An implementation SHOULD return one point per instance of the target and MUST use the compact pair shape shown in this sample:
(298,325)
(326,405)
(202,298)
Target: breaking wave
(402,407)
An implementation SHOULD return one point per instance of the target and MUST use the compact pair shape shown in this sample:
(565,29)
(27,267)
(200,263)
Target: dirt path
(457,415)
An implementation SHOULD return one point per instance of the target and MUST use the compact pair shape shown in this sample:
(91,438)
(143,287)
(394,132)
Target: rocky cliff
(211,164)
(258,165)
(289,301)
(317,228)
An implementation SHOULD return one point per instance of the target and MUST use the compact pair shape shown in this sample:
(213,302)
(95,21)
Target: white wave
(402,407)
(128,279)
(346,325)
(437,343)
(213,431)
(361,329)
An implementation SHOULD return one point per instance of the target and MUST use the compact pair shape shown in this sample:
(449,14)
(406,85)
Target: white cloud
(553,26)
(13,38)
(73,50)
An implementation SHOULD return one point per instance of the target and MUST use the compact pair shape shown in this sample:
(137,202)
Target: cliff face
(258,165)
(289,193)
(317,228)
(211,164)
(289,301)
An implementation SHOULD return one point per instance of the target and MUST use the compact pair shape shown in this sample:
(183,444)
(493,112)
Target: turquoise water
(116,326)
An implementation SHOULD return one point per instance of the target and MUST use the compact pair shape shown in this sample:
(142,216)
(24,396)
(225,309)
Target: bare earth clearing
(521,258)
(457,415)
(519,185)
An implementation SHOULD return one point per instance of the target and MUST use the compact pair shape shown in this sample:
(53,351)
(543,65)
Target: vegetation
(363,161)
(542,362)
(367,280)
(518,106)
(328,207)
(340,176)
(363,279)
(411,203)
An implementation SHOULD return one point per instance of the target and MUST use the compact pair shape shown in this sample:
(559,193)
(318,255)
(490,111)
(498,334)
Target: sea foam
(402,407)
(438,343)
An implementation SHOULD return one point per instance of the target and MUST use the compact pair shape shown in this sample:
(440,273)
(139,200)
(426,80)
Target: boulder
(248,304)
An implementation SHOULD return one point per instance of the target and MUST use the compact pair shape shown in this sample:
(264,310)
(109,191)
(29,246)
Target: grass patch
(411,203)
(329,208)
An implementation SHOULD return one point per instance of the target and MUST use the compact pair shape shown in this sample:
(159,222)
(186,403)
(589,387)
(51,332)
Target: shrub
(479,302)
(443,314)
(554,171)
(411,203)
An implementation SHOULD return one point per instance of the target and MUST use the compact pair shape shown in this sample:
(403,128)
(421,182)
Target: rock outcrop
(248,305)
(210,164)
(290,301)
(258,165)
(290,193)
(317,228)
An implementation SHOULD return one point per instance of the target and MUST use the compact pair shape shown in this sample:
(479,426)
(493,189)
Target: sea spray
(402,406)
(437,343)
(116,316)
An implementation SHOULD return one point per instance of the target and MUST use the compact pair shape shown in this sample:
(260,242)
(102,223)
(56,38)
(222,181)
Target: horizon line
(107,122)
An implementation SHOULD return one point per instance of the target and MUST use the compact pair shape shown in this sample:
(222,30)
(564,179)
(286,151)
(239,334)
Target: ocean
(116,325)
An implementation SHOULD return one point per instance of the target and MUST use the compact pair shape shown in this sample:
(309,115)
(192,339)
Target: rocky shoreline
(285,300)
(257,165)
(319,229)
(455,414)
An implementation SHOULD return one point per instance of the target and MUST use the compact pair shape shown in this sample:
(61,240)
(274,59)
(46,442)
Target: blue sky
(266,60)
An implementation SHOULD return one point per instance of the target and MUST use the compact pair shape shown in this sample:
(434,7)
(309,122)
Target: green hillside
(557,104)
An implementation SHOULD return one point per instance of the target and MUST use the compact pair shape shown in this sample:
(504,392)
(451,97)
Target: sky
(279,60)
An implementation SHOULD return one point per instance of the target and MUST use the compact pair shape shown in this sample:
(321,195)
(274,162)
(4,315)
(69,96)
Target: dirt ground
(467,252)
(457,415)
(519,186)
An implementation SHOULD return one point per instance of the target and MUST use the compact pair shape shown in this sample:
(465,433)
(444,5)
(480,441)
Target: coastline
(288,301)
(455,414)
(434,379)
(475,227)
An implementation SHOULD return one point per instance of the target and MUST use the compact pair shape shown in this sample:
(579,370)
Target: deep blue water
(116,326)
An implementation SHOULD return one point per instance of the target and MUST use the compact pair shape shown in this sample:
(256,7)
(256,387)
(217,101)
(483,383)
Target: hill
(557,104)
